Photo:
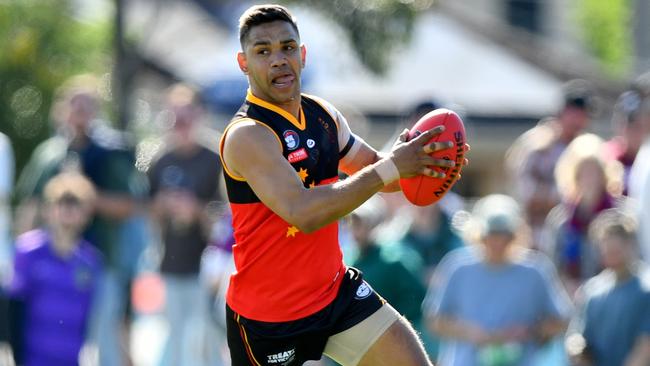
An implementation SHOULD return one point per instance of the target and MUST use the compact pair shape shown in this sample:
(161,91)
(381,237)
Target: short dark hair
(261,14)
(613,222)
(578,93)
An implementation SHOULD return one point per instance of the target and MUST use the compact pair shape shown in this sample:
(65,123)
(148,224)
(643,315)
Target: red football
(422,190)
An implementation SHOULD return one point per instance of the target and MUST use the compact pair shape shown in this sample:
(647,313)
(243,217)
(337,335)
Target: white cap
(497,213)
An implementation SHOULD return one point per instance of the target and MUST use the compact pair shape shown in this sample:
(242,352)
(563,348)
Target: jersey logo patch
(282,358)
(291,138)
(363,291)
(311,143)
(298,155)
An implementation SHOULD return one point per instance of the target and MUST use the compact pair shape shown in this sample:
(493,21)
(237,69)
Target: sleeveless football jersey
(283,274)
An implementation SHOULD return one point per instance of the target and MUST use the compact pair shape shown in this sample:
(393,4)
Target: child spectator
(55,275)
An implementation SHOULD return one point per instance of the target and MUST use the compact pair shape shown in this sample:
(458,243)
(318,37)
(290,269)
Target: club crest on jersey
(291,138)
(298,155)
(363,291)
(311,143)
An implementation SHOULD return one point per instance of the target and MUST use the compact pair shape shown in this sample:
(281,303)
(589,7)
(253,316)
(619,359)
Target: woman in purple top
(55,274)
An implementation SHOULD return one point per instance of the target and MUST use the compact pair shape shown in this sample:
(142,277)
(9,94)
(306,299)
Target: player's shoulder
(247,133)
(326,105)
(244,127)
(317,99)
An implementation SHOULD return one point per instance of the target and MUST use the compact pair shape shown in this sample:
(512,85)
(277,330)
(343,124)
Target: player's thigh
(399,345)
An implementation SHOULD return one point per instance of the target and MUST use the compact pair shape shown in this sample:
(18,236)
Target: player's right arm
(252,152)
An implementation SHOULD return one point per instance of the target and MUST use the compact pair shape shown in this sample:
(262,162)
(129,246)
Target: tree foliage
(374,27)
(42,45)
(607,33)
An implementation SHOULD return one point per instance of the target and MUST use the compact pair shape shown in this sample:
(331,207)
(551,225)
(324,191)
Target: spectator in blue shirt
(495,303)
(613,326)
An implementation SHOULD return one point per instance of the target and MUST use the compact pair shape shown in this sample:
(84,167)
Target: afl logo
(310,143)
(363,291)
(291,138)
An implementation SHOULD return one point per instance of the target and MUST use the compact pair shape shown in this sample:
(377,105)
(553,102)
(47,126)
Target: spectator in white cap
(495,302)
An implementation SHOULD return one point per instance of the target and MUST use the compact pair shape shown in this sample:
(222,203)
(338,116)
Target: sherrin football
(423,190)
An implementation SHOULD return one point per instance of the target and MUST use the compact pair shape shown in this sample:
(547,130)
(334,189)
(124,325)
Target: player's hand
(413,157)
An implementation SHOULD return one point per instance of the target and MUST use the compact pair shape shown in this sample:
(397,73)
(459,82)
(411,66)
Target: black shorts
(291,343)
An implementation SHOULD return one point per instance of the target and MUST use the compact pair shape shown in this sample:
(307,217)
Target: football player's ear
(242,62)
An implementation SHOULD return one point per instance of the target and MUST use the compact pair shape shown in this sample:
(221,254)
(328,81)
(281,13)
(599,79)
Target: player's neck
(291,106)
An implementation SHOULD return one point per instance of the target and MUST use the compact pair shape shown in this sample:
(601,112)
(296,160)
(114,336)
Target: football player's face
(273,60)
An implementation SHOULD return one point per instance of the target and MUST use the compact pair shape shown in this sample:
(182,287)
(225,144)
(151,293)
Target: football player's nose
(278,60)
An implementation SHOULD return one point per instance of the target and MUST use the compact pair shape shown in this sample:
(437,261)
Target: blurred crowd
(548,271)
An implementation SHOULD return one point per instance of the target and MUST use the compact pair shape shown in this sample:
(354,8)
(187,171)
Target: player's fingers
(404,136)
(437,146)
(432,173)
(428,134)
(427,160)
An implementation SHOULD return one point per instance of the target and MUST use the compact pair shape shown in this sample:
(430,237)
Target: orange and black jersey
(281,273)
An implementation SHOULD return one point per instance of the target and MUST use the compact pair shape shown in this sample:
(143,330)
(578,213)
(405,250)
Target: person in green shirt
(393,270)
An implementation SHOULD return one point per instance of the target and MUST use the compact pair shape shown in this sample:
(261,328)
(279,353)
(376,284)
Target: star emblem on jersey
(291,139)
(312,184)
(292,231)
(303,174)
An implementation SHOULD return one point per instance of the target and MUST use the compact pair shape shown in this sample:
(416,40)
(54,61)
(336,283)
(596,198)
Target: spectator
(6,186)
(83,143)
(630,129)
(589,185)
(55,275)
(639,183)
(496,297)
(392,270)
(532,158)
(184,182)
(431,236)
(613,325)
